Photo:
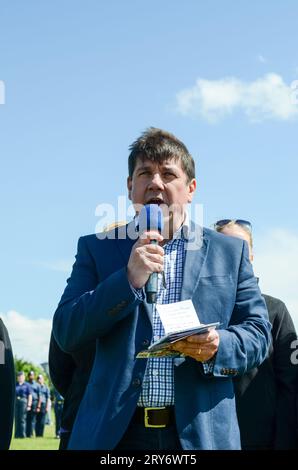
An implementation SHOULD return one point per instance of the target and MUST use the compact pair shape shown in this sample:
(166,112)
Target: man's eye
(168,174)
(145,172)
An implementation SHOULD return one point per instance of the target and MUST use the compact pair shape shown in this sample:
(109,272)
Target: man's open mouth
(155,200)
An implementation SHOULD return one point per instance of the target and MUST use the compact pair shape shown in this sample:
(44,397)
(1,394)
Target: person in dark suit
(165,403)
(265,396)
(70,374)
(7,388)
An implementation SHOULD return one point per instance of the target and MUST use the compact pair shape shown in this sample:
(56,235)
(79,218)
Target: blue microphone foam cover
(150,218)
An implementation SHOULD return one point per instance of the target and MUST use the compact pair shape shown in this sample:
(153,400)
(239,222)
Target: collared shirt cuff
(139,293)
(208,366)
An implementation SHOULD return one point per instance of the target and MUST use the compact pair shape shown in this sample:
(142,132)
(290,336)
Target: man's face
(21,378)
(164,183)
(238,232)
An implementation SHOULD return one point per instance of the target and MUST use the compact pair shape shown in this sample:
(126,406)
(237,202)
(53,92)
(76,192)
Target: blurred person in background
(7,388)
(42,406)
(31,414)
(70,374)
(58,409)
(265,396)
(22,405)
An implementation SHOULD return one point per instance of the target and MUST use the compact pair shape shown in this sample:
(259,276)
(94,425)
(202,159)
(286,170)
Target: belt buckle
(146,418)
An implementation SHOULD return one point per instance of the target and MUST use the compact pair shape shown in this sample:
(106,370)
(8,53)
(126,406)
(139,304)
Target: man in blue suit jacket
(161,403)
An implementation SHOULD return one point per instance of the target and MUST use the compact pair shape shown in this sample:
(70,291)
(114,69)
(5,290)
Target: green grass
(48,442)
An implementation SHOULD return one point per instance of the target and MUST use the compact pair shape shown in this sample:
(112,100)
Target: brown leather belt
(154,417)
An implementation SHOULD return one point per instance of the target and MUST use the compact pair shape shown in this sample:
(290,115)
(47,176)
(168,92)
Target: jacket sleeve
(244,344)
(89,307)
(286,379)
(61,367)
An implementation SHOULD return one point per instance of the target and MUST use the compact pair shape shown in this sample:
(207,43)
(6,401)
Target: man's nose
(156,182)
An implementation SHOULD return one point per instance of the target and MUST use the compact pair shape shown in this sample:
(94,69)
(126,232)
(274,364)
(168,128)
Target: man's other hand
(200,347)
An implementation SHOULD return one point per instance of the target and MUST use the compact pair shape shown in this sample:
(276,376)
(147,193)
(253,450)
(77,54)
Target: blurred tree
(26,367)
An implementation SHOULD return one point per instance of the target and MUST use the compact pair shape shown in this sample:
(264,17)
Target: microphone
(151,218)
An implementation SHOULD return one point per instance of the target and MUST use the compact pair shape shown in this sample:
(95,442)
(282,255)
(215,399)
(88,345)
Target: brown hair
(158,146)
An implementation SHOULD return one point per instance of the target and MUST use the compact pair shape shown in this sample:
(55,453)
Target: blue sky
(83,79)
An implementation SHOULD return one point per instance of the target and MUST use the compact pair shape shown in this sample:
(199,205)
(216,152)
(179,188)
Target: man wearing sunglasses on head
(265,396)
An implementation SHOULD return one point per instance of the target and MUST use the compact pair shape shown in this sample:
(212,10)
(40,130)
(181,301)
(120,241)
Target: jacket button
(145,342)
(136,382)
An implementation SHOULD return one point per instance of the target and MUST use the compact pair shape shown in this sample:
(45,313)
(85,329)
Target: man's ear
(129,187)
(191,189)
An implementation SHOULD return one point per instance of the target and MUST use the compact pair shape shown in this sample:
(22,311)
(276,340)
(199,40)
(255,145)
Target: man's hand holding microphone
(147,257)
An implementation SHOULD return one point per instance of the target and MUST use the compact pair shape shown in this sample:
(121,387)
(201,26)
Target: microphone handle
(152,284)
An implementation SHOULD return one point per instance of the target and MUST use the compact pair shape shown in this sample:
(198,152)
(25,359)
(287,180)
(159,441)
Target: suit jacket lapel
(196,254)
(125,241)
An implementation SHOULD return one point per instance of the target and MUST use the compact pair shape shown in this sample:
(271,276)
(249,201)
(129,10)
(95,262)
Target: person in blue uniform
(42,406)
(22,405)
(31,414)
(58,409)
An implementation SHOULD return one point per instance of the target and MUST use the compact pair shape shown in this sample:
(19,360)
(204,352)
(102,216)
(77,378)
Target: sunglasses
(223,222)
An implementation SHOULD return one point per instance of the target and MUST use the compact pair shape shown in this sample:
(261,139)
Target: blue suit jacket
(99,305)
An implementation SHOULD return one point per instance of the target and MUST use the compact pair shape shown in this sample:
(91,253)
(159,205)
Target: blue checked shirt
(158,383)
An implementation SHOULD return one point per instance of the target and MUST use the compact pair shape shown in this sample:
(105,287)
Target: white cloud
(268,97)
(276,263)
(29,337)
